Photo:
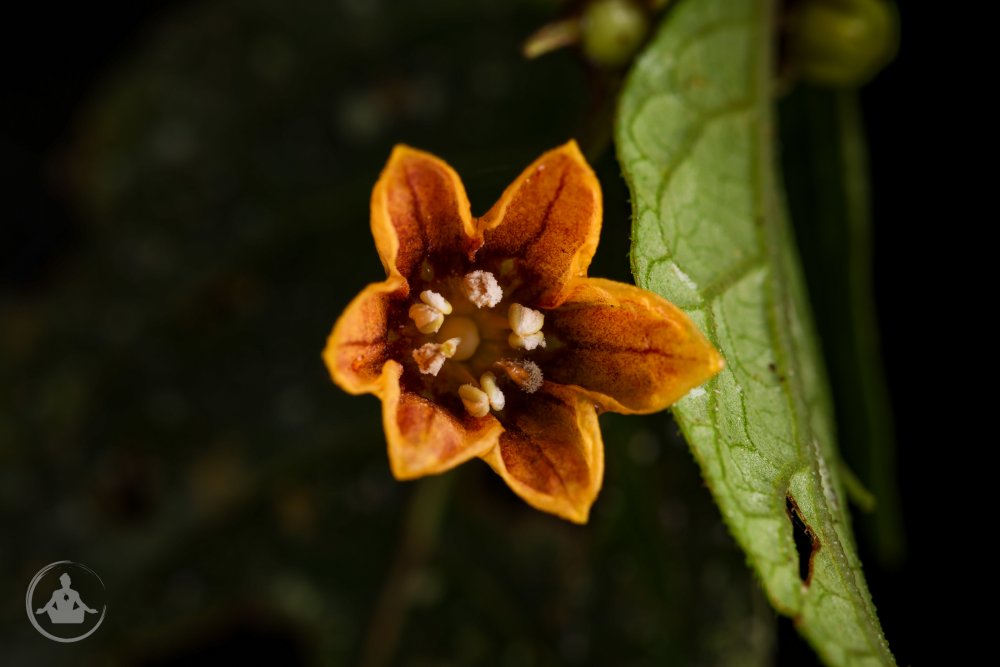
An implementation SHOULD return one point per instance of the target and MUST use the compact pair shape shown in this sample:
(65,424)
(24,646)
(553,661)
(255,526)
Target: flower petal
(358,346)
(551,453)
(423,437)
(630,350)
(419,209)
(549,221)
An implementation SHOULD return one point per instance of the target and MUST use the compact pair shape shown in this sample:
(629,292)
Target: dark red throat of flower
(465,341)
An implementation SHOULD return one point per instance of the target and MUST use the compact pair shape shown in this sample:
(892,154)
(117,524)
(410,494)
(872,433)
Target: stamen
(482,289)
(529,342)
(449,348)
(488,382)
(427,318)
(523,320)
(475,400)
(465,332)
(430,356)
(524,373)
(436,301)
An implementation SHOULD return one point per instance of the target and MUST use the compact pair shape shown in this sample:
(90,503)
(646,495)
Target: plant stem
(419,532)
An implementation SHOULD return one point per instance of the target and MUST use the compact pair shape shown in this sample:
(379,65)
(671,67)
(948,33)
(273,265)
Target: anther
(430,357)
(528,342)
(488,382)
(527,327)
(475,400)
(427,318)
(429,315)
(482,289)
(436,301)
(523,320)
(450,347)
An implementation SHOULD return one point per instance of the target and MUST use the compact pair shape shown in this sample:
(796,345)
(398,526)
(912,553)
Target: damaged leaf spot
(806,541)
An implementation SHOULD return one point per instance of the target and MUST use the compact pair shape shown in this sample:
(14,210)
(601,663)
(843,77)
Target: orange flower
(488,339)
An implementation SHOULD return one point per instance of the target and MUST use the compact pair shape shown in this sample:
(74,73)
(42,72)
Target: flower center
(467,341)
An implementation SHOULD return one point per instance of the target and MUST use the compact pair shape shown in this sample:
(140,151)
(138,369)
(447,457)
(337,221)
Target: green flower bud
(612,31)
(842,42)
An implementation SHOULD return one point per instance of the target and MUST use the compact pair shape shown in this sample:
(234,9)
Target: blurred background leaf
(827,178)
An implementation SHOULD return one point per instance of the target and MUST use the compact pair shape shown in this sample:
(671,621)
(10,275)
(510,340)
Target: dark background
(185,213)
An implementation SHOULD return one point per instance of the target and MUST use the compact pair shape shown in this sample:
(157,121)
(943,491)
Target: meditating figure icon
(66,605)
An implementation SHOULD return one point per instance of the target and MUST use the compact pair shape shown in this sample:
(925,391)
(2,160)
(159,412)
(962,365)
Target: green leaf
(695,139)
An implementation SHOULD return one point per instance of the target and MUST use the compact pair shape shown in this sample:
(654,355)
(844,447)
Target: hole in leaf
(806,542)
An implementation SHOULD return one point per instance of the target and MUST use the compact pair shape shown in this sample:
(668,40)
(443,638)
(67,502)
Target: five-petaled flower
(487,339)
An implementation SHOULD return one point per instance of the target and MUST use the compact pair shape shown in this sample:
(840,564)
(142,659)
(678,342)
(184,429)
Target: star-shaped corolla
(487,339)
